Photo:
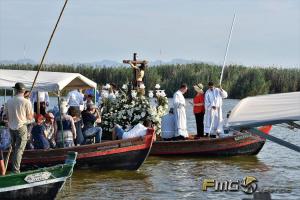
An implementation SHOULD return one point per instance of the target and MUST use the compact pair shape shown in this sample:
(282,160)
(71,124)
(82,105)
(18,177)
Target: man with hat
(19,112)
(213,120)
(199,109)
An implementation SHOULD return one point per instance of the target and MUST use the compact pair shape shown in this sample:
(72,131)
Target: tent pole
(60,118)
(4,95)
(275,139)
(38,105)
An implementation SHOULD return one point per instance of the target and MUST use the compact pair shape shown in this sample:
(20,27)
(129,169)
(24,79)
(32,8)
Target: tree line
(239,81)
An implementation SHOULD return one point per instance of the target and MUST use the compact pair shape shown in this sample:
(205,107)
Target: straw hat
(198,87)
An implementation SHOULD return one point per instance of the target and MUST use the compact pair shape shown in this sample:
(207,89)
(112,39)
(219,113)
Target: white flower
(142,86)
(157,86)
(162,93)
(111,96)
(106,86)
(105,94)
(133,93)
(158,93)
(124,87)
(150,94)
(143,114)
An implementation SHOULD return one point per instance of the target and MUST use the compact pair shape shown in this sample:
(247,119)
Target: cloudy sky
(266,32)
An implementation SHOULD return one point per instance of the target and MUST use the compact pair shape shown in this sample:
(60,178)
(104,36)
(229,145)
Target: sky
(265,33)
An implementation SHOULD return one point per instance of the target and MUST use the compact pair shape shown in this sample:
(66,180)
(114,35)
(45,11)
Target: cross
(135,62)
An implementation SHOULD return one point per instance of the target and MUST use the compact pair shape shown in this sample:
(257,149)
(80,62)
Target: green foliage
(238,81)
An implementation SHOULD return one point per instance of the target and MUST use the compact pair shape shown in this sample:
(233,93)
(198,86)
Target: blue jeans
(93,132)
(119,131)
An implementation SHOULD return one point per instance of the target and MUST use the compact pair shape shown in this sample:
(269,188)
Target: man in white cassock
(213,120)
(179,112)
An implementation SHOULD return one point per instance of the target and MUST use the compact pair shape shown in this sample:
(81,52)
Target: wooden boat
(43,183)
(128,154)
(239,144)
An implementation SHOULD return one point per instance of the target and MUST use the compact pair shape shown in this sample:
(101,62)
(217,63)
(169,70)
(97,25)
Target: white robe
(180,115)
(213,120)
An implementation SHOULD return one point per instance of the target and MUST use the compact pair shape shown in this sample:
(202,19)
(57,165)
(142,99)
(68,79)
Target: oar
(227,47)
(49,42)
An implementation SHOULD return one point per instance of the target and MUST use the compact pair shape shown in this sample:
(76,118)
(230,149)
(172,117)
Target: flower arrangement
(131,107)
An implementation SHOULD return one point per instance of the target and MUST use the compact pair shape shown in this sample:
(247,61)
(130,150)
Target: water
(276,168)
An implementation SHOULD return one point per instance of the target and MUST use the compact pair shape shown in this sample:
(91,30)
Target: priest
(179,112)
(213,120)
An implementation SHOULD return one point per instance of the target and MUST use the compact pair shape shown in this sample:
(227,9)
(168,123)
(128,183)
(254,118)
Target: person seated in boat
(38,134)
(76,114)
(50,129)
(66,130)
(138,130)
(168,126)
(90,116)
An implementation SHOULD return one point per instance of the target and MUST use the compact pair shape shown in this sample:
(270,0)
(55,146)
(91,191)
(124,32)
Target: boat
(236,145)
(43,183)
(259,111)
(127,154)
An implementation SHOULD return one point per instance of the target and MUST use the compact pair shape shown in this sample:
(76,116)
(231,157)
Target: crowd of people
(207,108)
(72,123)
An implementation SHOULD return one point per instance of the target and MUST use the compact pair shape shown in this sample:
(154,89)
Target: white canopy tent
(266,110)
(46,81)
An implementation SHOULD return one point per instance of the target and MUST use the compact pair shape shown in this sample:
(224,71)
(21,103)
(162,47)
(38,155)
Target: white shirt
(43,97)
(75,98)
(138,130)
(18,110)
(168,126)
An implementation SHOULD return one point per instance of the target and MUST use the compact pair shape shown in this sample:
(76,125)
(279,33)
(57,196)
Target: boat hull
(229,146)
(42,192)
(126,154)
(42,183)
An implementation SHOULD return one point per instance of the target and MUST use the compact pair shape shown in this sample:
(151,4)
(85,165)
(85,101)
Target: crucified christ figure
(138,67)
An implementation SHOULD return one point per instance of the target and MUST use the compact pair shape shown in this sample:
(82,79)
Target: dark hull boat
(126,154)
(240,144)
(43,183)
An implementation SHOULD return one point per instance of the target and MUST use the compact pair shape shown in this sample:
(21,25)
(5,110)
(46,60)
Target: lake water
(276,168)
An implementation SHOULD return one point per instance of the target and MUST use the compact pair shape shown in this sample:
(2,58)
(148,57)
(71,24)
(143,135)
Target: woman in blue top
(38,134)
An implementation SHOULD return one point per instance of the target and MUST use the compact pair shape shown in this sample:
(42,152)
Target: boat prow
(43,183)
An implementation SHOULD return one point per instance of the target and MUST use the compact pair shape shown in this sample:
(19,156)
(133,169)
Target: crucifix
(138,67)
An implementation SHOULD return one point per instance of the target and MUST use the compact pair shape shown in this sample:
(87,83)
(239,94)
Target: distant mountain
(20,61)
(103,63)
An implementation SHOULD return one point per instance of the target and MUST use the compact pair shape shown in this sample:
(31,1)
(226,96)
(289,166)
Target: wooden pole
(49,42)
(227,47)
(134,72)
